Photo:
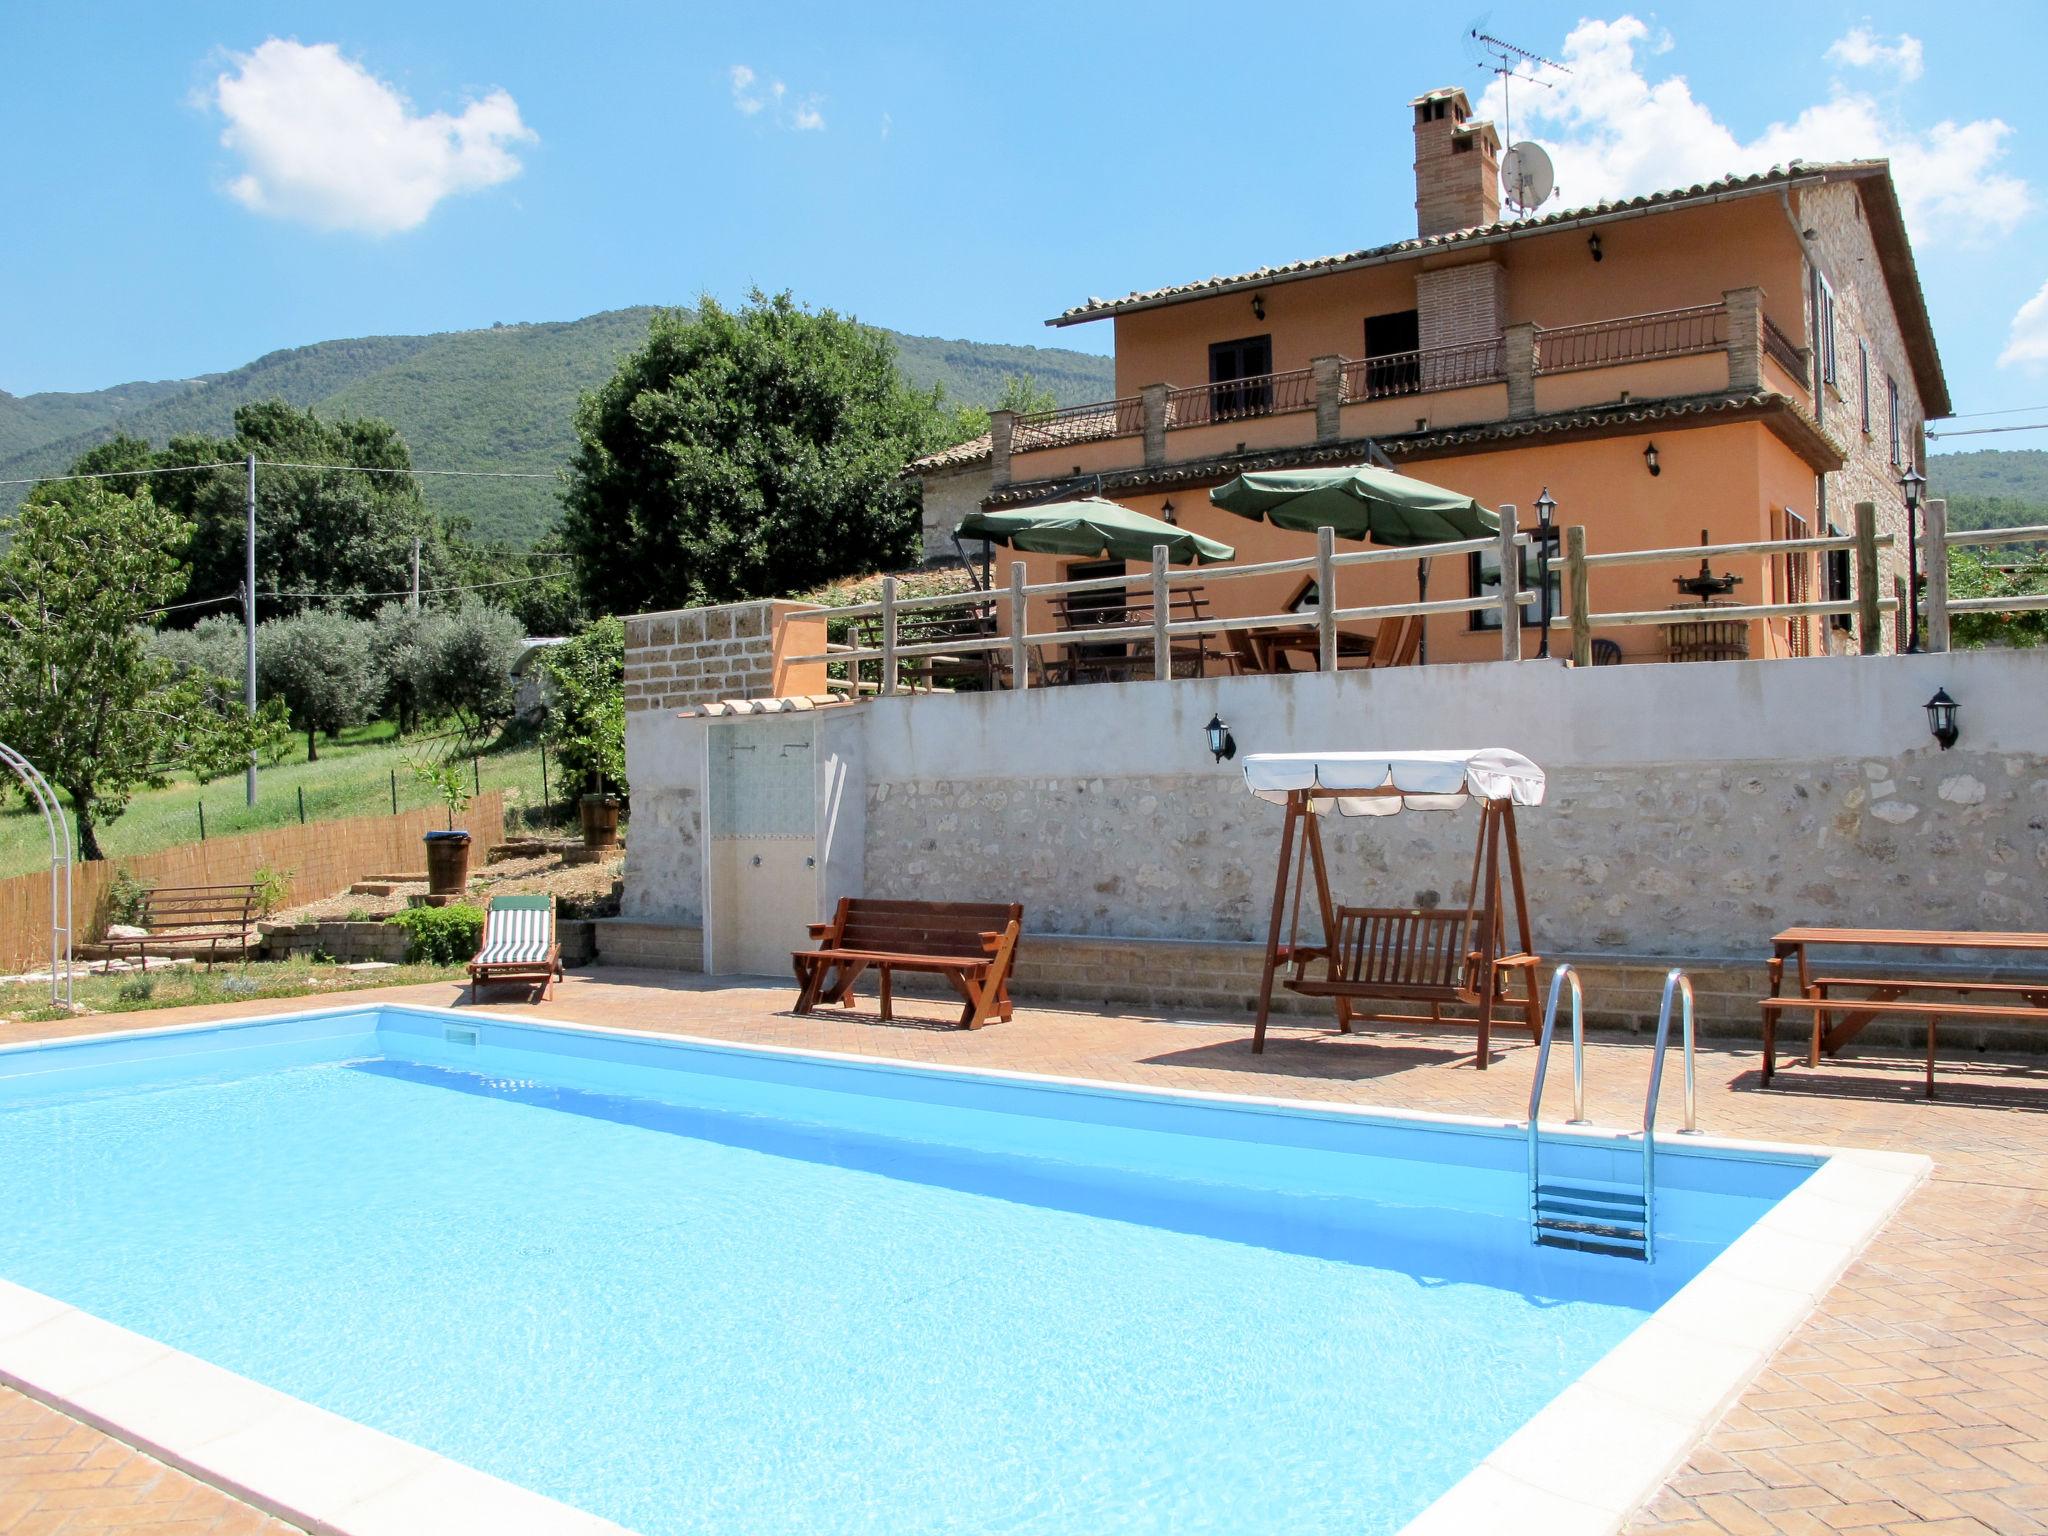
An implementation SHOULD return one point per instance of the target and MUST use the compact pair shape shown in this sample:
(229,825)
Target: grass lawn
(352,778)
(187,986)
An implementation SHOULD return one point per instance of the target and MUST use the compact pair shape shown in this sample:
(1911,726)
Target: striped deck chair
(519,945)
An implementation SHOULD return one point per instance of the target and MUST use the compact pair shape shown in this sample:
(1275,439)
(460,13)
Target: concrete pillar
(1153,399)
(1520,360)
(1329,380)
(1001,424)
(1745,338)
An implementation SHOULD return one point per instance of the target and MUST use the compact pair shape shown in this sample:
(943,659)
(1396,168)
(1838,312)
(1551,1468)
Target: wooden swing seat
(1455,956)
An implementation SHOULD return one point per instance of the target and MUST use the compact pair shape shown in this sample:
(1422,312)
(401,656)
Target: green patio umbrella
(1359,502)
(1091,527)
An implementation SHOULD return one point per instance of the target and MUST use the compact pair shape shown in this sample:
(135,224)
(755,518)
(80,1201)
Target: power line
(478,586)
(117,474)
(1980,431)
(381,469)
(2017,410)
(365,469)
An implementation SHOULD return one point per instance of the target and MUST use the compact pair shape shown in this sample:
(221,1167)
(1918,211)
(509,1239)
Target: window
(1898,422)
(1795,582)
(1249,357)
(1838,582)
(1393,365)
(1863,368)
(1484,567)
(1825,325)
(1105,605)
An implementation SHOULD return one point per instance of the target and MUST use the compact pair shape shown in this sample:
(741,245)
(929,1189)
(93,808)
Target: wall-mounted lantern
(1166,509)
(1221,742)
(1593,245)
(1258,306)
(1650,459)
(1941,719)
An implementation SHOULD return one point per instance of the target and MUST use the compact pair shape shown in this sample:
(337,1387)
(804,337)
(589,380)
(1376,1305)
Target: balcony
(1666,353)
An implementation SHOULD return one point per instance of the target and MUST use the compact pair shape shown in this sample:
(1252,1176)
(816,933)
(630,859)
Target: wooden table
(1277,647)
(1817,995)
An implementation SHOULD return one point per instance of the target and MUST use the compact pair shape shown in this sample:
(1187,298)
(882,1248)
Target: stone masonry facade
(1702,862)
(1865,326)
(698,655)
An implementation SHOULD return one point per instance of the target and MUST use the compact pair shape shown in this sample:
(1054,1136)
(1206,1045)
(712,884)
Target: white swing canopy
(1386,783)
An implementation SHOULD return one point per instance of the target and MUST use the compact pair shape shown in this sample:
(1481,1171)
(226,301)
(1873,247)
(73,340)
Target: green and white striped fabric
(518,930)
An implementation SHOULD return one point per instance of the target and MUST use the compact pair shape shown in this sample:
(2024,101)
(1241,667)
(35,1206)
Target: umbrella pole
(1422,596)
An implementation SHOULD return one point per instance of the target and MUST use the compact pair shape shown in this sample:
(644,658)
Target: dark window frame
(1487,620)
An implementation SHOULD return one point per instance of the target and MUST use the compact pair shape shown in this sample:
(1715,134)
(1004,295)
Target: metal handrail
(1677,984)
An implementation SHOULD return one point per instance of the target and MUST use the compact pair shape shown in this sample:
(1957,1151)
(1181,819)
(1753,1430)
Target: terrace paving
(1914,1399)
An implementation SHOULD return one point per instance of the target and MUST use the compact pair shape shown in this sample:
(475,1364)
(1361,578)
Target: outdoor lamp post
(1221,742)
(1546,504)
(1941,719)
(1912,482)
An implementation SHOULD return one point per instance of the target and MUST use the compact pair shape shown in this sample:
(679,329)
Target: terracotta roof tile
(975,450)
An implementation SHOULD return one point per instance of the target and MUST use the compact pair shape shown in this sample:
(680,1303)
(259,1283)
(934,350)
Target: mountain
(1991,487)
(501,398)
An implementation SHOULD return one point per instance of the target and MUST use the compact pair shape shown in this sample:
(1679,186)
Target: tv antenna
(1508,61)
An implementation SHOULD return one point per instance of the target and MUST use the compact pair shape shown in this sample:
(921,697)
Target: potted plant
(447,851)
(600,812)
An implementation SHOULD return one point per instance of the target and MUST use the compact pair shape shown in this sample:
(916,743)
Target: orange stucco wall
(1731,479)
(1680,257)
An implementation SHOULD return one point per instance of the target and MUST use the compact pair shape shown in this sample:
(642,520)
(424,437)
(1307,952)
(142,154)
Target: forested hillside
(497,398)
(1991,487)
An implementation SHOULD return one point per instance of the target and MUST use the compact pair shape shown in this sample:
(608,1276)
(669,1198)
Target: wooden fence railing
(316,859)
(969,624)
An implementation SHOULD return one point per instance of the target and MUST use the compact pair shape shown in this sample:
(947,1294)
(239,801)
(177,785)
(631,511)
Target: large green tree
(81,694)
(344,534)
(746,453)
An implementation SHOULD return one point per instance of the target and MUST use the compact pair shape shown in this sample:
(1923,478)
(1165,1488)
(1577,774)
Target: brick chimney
(1457,164)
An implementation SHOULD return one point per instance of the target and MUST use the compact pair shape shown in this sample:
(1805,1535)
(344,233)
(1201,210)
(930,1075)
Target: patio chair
(519,945)
(1397,642)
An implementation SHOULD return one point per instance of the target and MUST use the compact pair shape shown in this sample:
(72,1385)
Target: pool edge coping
(1567,1471)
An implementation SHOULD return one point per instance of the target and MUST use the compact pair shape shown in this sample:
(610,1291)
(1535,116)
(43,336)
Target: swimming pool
(690,1287)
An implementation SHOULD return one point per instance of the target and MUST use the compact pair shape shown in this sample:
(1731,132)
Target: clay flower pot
(600,821)
(447,863)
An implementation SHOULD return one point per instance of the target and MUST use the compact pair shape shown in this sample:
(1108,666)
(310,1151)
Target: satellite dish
(1526,179)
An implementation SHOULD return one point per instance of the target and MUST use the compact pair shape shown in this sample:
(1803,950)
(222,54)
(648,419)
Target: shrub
(586,723)
(125,897)
(272,887)
(140,990)
(440,935)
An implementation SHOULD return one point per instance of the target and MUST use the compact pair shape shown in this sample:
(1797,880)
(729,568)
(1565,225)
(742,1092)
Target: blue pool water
(712,1290)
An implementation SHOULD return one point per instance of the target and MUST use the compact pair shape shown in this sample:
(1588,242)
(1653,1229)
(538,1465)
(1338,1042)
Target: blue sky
(180,204)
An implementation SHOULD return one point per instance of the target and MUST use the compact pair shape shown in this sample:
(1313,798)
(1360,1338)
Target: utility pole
(249,616)
(415,574)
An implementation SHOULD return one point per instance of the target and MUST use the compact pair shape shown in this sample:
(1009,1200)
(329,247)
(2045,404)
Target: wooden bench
(188,914)
(1836,1019)
(971,944)
(1401,954)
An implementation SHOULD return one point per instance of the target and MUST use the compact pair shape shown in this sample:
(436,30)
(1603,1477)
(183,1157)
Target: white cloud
(1862,48)
(743,96)
(888,124)
(806,116)
(2028,342)
(1614,133)
(325,142)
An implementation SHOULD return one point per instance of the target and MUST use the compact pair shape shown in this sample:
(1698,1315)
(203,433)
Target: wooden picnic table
(1837,1019)
(1120,660)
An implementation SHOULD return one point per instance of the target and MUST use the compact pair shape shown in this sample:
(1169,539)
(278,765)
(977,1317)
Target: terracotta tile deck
(1915,1399)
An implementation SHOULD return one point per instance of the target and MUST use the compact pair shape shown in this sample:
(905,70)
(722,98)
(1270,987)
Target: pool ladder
(1582,1214)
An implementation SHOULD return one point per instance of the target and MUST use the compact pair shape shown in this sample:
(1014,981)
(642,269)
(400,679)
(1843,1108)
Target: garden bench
(971,944)
(185,915)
